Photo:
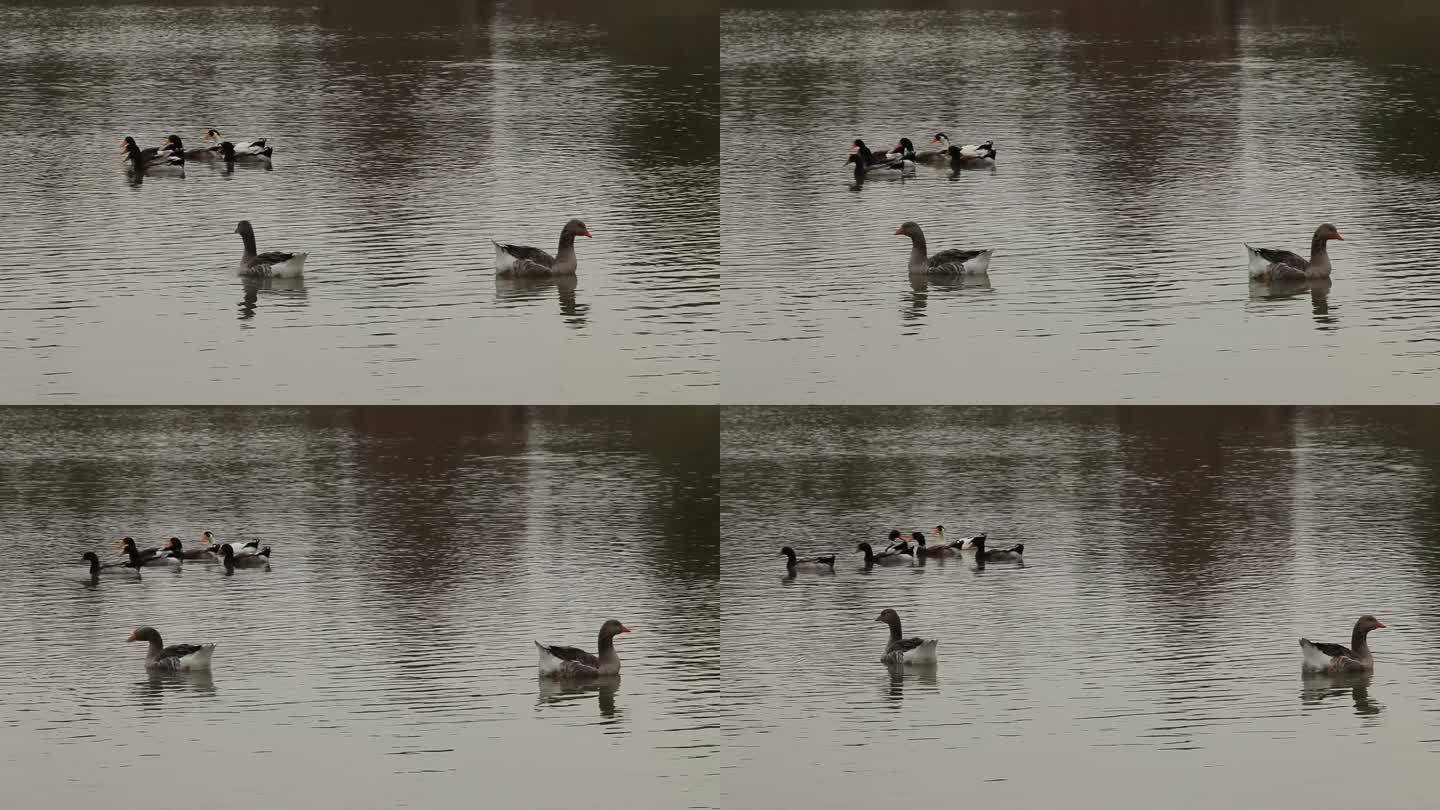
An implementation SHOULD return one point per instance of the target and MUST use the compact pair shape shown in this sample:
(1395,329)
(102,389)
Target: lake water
(385,659)
(1140,145)
(1144,656)
(406,138)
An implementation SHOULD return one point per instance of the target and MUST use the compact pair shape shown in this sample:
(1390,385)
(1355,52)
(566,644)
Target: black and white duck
(258,149)
(572,662)
(118,569)
(795,563)
(154,556)
(1007,554)
(176,547)
(890,556)
(959,542)
(523,260)
(969,154)
(233,560)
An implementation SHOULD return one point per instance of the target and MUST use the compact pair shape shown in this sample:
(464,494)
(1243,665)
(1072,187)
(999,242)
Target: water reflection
(923,286)
(523,289)
(1317,687)
(568,692)
(152,690)
(283,289)
(927,675)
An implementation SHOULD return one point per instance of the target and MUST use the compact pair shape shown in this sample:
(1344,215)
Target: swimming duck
(946,262)
(125,569)
(233,560)
(226,151)
(174,146)
(155,160)
(969,153)
(275,264)
(890,556)
(241,548)
(1282,265)
(898,542)
(905,148)
(903,650)
(242,148)
(127,546)
(572,662)
(937,550)
(1015,552)
(523,260)
(176,547)
(1339,658)
(794,563)
(176,658)
(962,543)
(879,171)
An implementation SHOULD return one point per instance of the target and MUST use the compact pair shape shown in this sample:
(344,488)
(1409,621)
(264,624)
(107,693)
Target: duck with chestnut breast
(901,650)
(898,543)
(937,550)
(1007,554)
(890,556)
(523,260)
(176,658)
(1323,657)
(275,264)
(119,569)
(1267,264)
(970,153)
(946,262)
(959,542)
(572,662)
(795,563)
(259,148)
(233,560)
(176,547)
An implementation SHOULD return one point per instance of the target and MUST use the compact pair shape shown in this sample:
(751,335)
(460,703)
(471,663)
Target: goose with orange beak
(523,260)
(176,658)
(572,662)
(1269,264)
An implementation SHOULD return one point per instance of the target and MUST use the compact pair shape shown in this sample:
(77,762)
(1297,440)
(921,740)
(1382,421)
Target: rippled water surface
(1140,147)
(385,659)
(406,138)
(1144,655)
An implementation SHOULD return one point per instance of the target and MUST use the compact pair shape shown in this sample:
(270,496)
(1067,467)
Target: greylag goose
(150,556)
(1015,552)
(126,568)
(969,153)
(241,148)
(233,560)
(794,563)
(1267,264)
(939,550)
(274,264)
(176,547)
(890,556)
(523,260)
(176,658)
(903,650)
(962,543)
(946,262)
(1338,657)
(573,662)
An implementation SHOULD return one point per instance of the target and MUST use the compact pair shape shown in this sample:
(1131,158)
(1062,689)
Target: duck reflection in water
(519,289)
(560,692)
(1316,687)
(281,288)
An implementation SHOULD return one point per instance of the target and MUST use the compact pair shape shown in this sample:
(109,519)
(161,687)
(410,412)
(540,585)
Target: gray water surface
(1145,653)
(405,140)
(385,659)
(1141,145)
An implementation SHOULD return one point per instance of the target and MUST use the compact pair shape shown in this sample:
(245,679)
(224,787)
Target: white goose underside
(198,660)
(920,656)
(293,267)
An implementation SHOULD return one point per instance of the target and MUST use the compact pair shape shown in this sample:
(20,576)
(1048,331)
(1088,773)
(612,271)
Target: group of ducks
(905,551)
(236,554)
(899,161)
(171,156)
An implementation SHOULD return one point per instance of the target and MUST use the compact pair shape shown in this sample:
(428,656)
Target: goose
(571,662)
(268,265)
(125,569)
(946,550)
(1267,264)
(879,171)
(233,560)
(523,260)
(158,161)
(890,556)
(946,262)
(177,658)
(968,153)
(1338,657)
(1015,552)
(905,148)
(176,547)
(794,563)
(962,543)
(242,148)
(149,556)
(901,650)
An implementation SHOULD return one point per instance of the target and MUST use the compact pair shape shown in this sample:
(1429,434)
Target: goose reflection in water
(927,675)
(1316,687)
(553,692)
(1319,290)
(281,288)
(520,289)
(158,683)
(924,285)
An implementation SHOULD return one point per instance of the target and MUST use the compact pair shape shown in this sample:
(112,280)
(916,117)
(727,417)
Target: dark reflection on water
(1140,145)
(1173,558)
(405,141)
(417,553)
